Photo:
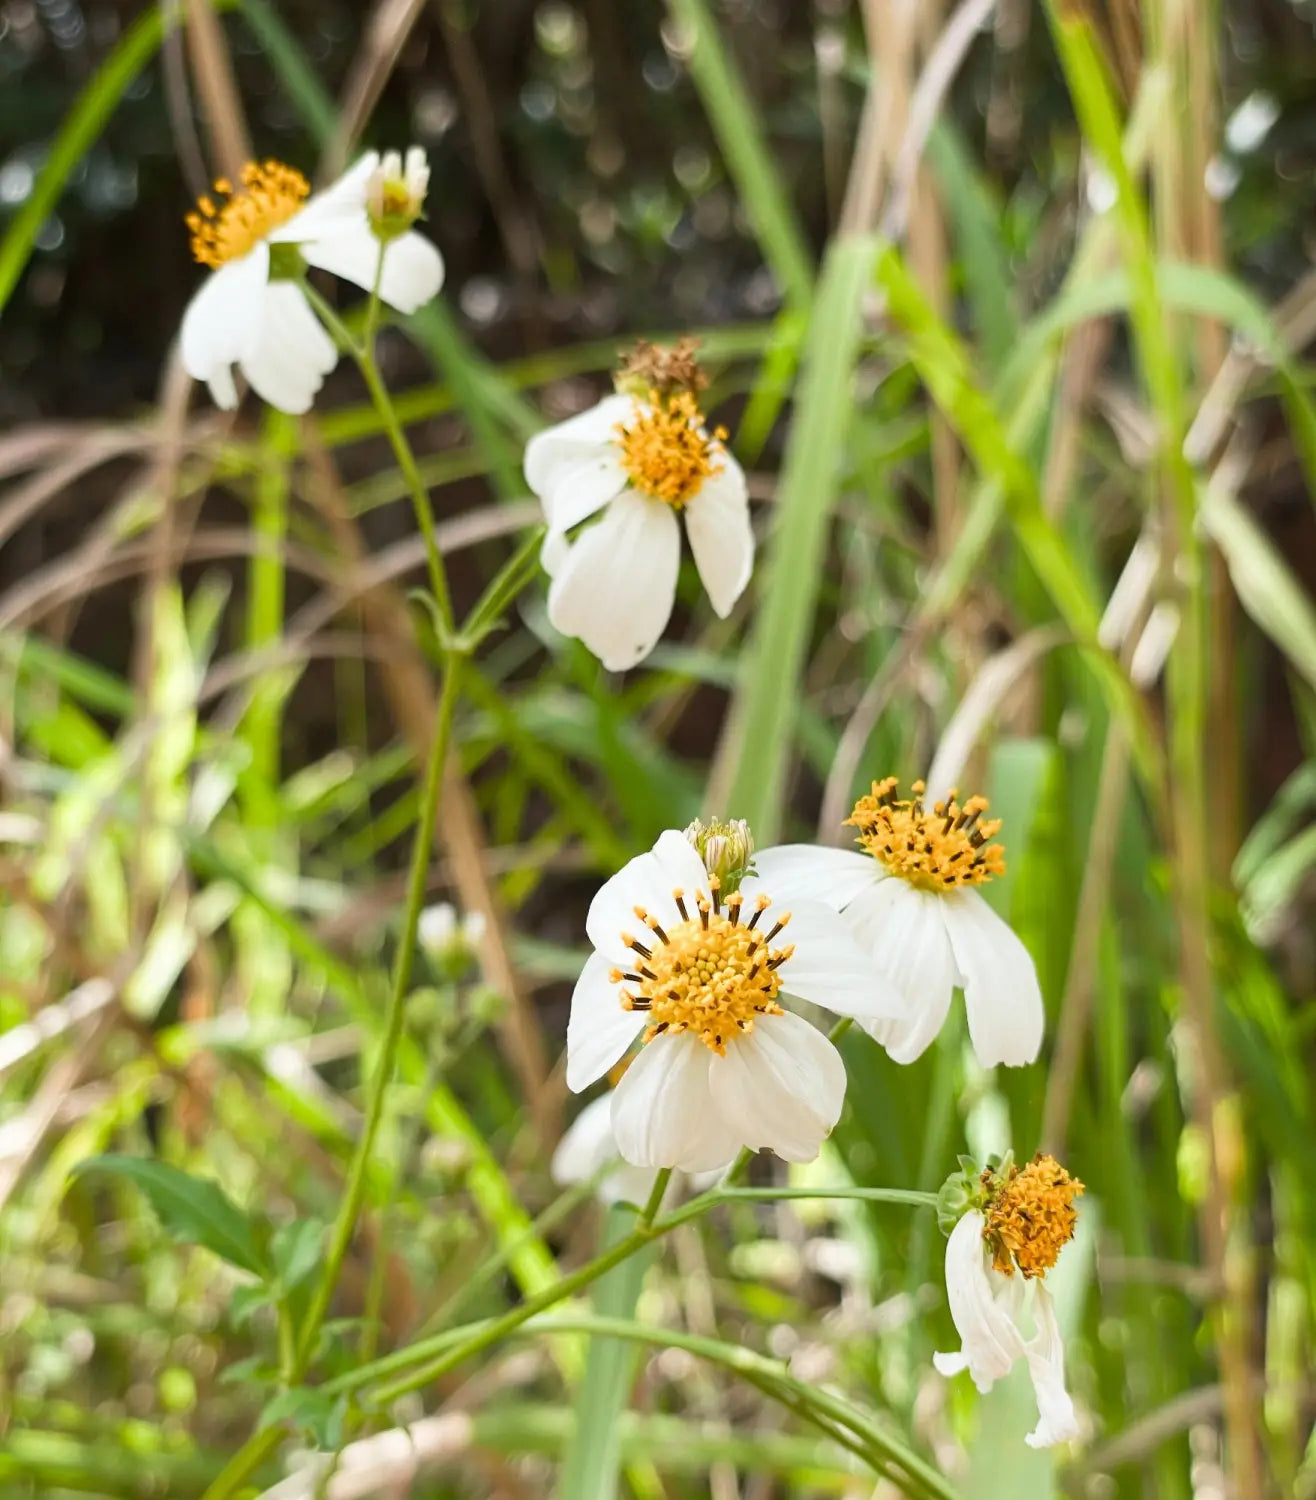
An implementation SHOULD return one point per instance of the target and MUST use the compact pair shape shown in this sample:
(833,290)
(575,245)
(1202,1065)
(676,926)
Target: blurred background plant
(1030,420)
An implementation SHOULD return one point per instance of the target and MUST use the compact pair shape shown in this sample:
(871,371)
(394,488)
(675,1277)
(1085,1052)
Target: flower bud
(726,848)
(395,193)
(451,944)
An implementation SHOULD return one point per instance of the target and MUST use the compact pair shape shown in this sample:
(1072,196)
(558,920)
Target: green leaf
(191,1209)
(296,1249)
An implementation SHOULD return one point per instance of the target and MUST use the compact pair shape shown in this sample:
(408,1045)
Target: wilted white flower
(252,312)
(909,900)
(450,942)
(395,192)
(643,462)
(722,1064)
(996,1258)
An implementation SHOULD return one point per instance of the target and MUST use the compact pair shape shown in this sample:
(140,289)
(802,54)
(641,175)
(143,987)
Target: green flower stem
(244,1463)
(422,844)
(444,1351)
(364,355)
(655,1197)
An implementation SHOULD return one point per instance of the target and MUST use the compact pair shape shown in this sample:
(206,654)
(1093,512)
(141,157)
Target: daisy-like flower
(700,971)
(258,237)
(996,1259)
(909,899)
(647,459)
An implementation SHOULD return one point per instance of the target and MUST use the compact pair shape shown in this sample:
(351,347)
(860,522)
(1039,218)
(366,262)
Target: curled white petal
(412,271)
(292,353)
(807,871)
(721,538)
(1001,992)
(222,323)
(1057,1422)
(903,930)
(663,1112)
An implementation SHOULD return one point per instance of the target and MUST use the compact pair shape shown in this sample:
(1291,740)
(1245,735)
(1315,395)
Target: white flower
(643,463)
(722,1065)
(446,938)
(589,1146)
(989,1310)
(248,313)
(395,193)
(909,900)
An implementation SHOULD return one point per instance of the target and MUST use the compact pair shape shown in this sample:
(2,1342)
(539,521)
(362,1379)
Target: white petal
(829,966)
(413,268)
(554,552)
(293,353)
(781,1087)
(615,587)
(721,538)
(223,322)
(807,871)
(588,1146)
(339,206)
(575,467)
(648,881)
(1001,992)
(662,1112)
(991,1341)
(599,1030)
(903,930)
(682,867)
(1057,1422)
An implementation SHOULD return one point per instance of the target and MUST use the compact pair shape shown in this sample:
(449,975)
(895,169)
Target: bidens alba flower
(647,461)
(909,900)
(257,238)
(996,1258)
(702,975)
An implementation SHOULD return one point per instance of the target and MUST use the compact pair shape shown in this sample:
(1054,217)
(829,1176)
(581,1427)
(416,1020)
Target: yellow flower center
(1030,1216)
(269,195)
(935,851)
(711,975)
(667,450)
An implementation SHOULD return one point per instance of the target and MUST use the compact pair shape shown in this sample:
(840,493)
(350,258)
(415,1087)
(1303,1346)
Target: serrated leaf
(191,1209)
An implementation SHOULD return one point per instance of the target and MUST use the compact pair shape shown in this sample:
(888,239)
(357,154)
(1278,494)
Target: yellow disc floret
(712,974)
(268,196)
(939,850)
(666,449)
(1030,1215)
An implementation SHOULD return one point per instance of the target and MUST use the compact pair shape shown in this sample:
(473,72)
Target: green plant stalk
(655,1197)
(364,355)
(417,880)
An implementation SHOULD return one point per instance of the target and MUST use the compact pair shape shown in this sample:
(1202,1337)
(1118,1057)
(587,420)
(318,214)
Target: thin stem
(364,355)
(422,843)
(655,1197)
(244,1463)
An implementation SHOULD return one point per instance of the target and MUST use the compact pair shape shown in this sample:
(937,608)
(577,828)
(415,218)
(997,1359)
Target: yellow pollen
(1030,1215)
(268,196)
(667,450)
(935,851)
(711,974)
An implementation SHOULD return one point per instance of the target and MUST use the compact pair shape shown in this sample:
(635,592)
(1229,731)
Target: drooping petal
(223,322)
(599,1030)
(293,353)
(1001,992)
(829,966)
(903,931)
(991,1341)
(781,1087)
(789,872)
(1057,1422)
(575,467)
(663,1113)
(339,206)
(554,552)
(721,538)
(588,1146)
(413,268)
(615,588)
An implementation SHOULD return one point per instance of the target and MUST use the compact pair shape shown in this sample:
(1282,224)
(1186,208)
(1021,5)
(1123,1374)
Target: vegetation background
(1009,311)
